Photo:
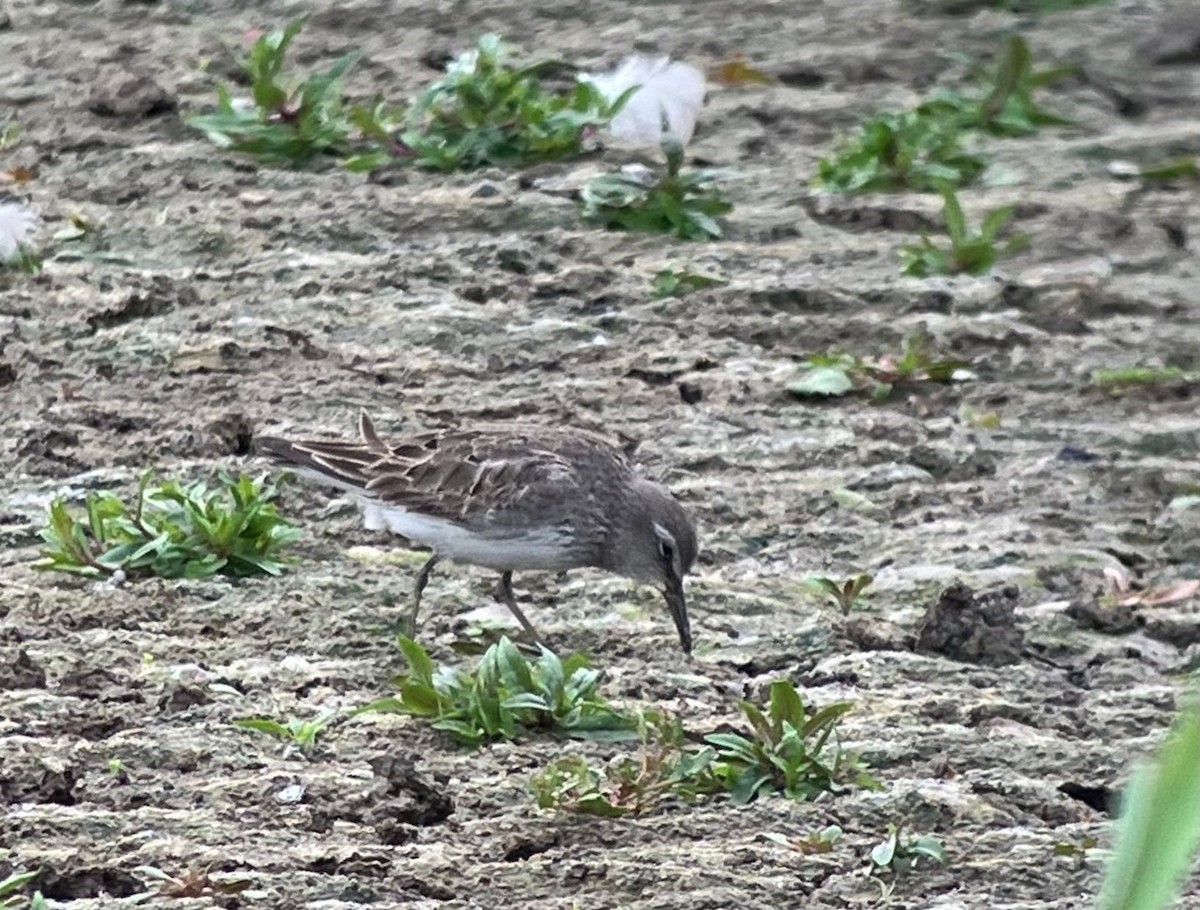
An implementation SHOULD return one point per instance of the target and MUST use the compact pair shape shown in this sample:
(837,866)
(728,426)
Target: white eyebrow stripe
(663,534)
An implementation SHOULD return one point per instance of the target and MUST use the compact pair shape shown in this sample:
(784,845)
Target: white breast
(539,549)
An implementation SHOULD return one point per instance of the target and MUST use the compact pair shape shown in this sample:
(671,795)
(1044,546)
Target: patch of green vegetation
(670,283)
(172,531)
(488,109)
(970,252)
(10,135)
(845,593)
(1159,827)
(1185,168)
(684,203)
(298,735)
(628,785)
(288,121)
(25,260)
(1123,378)
(506,696)
(1004,104)
(907,150)
(837,373)
(788,750)
(925,149)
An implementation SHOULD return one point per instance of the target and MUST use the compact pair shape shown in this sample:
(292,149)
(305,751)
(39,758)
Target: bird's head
(655,544)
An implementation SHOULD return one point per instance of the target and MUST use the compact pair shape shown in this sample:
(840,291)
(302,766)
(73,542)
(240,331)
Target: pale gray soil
(222,300)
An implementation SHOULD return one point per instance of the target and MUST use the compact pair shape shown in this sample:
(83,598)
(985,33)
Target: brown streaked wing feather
(344,462)
(479,475)
(366,432)
(464,491)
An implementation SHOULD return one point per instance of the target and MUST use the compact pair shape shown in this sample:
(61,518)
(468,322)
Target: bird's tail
(342,464)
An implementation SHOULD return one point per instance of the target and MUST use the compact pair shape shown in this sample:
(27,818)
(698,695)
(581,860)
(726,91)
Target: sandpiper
(509,498)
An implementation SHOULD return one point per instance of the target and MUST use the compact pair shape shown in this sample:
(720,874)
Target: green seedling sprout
(670,283)
(900,855)
(970,252)
(299,735)
(17,224)
(843,593)
(1005,106)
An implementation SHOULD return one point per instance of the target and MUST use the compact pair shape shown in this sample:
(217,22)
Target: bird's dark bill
(677,604)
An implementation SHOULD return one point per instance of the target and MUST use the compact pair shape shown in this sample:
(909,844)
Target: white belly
(540,549)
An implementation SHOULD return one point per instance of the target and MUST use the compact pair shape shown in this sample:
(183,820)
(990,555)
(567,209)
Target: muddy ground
(220,299)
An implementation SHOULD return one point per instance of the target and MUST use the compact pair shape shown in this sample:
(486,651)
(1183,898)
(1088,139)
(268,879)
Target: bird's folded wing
(499,489)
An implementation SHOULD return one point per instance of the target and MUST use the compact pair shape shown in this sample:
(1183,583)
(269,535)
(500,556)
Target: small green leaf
(1174,169)
(264,725)
(420,667)
(785,705)
(733,746)
(758,721)
(883,853)
(929,846)
(595,804)
(525,700)
(16,882)
(956,221)
(573,663)
(612,729)
(389,705)
(418,698)
(822,381)
(747,785)
(995,220)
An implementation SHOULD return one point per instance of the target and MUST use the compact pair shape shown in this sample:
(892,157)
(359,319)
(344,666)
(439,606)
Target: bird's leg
(504,593)
(418,588)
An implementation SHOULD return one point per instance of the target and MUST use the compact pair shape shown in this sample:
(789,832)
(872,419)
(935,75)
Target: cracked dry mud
(998,704)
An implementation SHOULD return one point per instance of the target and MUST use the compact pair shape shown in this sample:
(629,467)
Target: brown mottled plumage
(510,498)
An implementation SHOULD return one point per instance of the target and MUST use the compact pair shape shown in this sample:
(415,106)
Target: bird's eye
(665,550)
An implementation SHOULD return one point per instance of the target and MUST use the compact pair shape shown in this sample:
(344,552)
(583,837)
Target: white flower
(16,225)
(665,105)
